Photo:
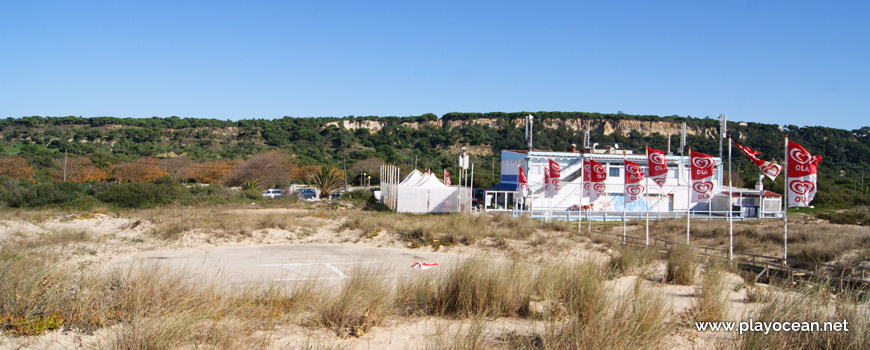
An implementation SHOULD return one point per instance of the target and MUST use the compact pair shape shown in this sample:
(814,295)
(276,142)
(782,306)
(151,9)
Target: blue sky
(781,62)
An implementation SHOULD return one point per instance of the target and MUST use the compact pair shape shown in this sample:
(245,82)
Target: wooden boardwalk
(838,278)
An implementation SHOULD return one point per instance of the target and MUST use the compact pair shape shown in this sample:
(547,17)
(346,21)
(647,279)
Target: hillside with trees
(277,152)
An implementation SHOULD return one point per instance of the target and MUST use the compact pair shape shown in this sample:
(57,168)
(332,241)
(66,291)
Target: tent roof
(412,178)
(430,181)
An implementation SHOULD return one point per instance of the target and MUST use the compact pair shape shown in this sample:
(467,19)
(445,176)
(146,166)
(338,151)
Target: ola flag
(702,177)
(633,177)
(555,176)
(523,183)
(801,175)
(597,176)
(587,184)
(770,169)
(658,166)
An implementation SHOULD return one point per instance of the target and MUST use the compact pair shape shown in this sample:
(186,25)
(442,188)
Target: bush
(138,194)
(84,203)
(857,216)
(363,195)
(28,194)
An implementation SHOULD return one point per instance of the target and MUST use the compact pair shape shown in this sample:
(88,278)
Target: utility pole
(64,165)
(492,172)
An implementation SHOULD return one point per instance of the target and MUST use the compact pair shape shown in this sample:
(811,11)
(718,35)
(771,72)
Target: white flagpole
(589,211)
(689,197)
(471,188)
(730,207)
(624,197)
(459,186)
(580,203)
(785,209)
(646,193)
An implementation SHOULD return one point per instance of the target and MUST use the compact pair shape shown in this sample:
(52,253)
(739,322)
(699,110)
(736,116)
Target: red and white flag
(523,183)
(633,177)
(548,186)
(597,176)
(801,175)
(555,177)
(770,169)
(702,177)
(658,166)
(446,177)
(587,184)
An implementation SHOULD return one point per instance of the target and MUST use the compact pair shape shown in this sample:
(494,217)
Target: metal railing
(614,215)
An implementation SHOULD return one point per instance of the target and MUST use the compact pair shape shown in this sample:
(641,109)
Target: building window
(673,173)
(614,172)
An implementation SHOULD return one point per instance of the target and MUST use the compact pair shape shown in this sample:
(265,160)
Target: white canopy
(412,178)
(430,181)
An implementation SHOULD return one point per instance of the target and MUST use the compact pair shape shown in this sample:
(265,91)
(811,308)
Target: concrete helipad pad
(292,263)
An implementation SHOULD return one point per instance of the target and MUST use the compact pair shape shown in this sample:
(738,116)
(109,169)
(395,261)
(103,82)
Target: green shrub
(84,203)
(28,194)
(856,216)
(363,195)
(137,194)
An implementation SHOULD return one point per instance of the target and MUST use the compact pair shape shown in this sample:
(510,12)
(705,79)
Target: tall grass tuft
(362,303)
(681,261)
(628,259)
(711,303)
(637,320)
(573,290)
(466,337)
(809,307)
(478,287)
(473,287)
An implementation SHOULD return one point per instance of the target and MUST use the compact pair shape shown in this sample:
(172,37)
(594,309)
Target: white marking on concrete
(331,278)
(339,273)
(322,263)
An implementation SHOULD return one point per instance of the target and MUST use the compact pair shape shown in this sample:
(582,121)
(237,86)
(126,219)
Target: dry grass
(449,229)
(171,223)
(682,261)
(626,259)
(808,239)
(151,308)
(364,301)
(473,287)
(469,336)
(809,307)
(637,320)
(573,290)
(63,237)
(711,303)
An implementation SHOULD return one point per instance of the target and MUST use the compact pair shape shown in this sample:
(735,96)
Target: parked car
(335,195)
(273,193)
(307,193)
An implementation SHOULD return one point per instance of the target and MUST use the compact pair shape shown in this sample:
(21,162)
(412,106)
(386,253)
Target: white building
(669,200)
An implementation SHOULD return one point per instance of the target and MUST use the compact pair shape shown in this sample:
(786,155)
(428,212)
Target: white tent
(427,195)
(412,178)
(430,181)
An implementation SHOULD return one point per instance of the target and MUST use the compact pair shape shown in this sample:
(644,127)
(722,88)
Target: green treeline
(428,139)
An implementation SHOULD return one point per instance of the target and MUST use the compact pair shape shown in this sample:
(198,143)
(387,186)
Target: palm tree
(326,179)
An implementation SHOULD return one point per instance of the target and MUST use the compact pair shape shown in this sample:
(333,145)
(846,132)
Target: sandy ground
(317,249)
